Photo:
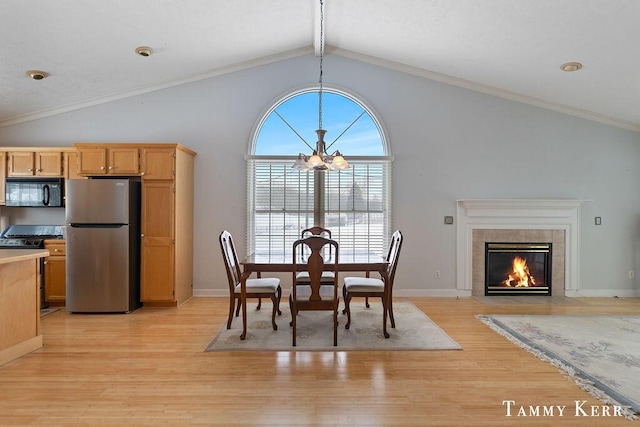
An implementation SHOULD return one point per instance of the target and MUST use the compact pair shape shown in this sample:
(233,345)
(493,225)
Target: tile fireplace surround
(517,220)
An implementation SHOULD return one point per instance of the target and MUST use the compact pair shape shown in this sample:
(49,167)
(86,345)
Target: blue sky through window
(301,112)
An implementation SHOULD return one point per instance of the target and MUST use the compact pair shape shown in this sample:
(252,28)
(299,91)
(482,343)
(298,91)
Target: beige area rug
(413,331)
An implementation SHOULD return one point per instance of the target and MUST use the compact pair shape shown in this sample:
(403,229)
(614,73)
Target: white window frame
(359,239)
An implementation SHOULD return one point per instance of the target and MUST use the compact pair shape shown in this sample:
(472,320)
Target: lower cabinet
(55,283)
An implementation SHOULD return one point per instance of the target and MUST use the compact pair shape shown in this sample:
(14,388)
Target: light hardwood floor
(149,368)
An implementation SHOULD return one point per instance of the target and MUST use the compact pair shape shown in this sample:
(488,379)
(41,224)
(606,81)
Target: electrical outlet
(448,220)
(436,274)
(632,274)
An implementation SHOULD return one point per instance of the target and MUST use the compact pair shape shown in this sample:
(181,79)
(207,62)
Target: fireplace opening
(517,268)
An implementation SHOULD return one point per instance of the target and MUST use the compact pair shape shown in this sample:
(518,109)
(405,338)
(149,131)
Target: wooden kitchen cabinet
(55,282)
(71,165)
(20,163)
(119,159)
(48,163)
(35,163)
(3,175)
(158,220)
(167,224)
(158,163)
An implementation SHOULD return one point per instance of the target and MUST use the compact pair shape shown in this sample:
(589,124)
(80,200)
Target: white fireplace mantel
(553,214)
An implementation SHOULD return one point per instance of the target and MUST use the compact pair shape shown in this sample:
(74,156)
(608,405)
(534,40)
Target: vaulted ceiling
(508,48)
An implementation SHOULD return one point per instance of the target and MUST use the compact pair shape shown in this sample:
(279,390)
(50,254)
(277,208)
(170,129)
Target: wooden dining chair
(327,276)
(314,295)
(256,288)
(303,276)
(374,287)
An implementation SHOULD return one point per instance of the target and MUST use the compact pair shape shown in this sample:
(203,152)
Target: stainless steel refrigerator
(103,245)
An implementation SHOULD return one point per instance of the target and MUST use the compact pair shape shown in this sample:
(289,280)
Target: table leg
(243,301)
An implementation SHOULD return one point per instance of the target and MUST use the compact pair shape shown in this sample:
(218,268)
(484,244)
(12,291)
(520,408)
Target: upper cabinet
(71,165)
(108,159)
(34,163)
(158,163)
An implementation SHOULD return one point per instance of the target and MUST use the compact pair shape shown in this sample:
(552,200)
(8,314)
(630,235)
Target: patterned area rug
(600,353)
(413,331)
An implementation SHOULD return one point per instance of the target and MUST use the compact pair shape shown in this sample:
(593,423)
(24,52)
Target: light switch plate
(448,220)
(598,220)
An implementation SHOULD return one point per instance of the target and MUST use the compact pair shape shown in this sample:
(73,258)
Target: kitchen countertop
(12,255)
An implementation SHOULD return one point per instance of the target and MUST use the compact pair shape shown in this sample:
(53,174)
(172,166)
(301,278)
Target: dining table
(281,262)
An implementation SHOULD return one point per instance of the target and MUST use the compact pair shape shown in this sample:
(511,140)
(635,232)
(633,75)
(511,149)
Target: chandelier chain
(321,62)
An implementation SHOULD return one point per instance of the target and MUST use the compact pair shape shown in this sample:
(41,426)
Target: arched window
(354,203)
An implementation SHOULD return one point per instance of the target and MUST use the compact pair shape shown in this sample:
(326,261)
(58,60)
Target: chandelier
(320,160)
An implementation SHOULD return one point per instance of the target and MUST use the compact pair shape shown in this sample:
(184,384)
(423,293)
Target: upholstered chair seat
(263,285)
(327,277)
(363,284)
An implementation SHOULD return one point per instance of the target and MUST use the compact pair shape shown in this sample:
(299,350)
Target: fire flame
(520,278)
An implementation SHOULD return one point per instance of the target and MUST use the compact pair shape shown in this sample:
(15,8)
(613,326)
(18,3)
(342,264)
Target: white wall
(449,143)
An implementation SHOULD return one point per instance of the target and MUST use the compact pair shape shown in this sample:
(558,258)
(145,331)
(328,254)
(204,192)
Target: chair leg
(259,275)
(393,322)
(291,311)
(344,298)
(384,318)
(279,298)
(274,300)
(347,300)
(293,323)
(232,301)
(238,308)
(335,326)
(366,302)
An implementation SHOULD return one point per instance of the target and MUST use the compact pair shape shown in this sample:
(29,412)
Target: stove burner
(28,236)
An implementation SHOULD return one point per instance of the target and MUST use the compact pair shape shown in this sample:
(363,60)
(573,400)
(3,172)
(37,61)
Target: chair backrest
(315,263)
(230,259)
(316,231)
(394,254)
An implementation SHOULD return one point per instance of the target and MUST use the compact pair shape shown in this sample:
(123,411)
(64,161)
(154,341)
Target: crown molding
(486,89)
(141,91)
(396,66)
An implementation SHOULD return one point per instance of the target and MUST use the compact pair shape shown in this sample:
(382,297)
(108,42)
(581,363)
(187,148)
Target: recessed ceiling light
(37,74)
(571,66)
(144,51)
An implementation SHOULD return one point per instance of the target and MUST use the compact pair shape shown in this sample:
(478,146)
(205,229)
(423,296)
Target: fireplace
(517,268)
(517,220)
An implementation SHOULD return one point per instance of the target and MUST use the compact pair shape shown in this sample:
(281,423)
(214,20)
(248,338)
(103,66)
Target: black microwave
(34,192)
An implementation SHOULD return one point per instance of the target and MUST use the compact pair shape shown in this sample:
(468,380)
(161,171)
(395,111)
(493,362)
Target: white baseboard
(417,293)
(604,293)
(398,293)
